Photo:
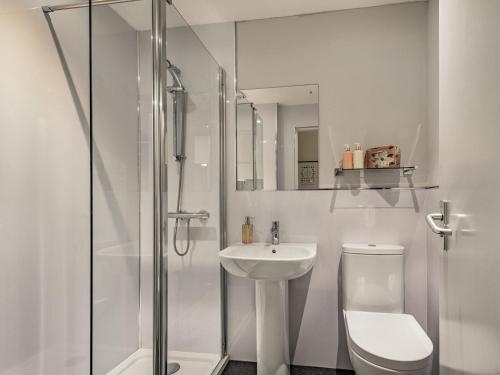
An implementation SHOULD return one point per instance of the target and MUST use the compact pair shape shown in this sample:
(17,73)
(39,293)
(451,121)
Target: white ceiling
(138,15)
(200,12)
(290,95)
(215,11)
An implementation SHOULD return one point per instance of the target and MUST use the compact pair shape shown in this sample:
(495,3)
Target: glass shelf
(405,171)
(385,188)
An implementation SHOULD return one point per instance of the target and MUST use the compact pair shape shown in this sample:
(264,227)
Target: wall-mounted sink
(271,266)
(269,262)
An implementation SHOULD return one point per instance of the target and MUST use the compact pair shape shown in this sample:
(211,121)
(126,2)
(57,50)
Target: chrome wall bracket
(444,216)
(84,4)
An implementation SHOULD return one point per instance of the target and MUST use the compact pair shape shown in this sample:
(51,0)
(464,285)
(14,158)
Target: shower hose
(181,252)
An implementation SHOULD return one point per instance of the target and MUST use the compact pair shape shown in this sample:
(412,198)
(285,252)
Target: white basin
(271,266)
(262,261)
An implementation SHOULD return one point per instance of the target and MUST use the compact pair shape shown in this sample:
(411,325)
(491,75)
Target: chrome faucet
(275,233)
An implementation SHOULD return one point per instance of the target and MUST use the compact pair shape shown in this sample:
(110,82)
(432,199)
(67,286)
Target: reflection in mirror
(277,138)
(245,144)
(306,158)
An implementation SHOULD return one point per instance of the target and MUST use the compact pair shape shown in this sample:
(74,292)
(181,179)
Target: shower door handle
(444,216)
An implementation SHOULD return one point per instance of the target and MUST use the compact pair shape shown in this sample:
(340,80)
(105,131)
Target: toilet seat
(392,341)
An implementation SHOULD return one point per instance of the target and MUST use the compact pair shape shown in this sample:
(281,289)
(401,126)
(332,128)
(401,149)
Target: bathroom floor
(141,363)
(250,368)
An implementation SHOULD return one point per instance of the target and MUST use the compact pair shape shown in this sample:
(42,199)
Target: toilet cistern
(381,338)
(275,233)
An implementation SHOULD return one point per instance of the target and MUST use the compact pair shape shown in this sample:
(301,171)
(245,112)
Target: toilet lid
(393,341)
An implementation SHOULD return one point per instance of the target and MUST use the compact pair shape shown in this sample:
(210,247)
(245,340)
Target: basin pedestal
(271,266)
(272,327)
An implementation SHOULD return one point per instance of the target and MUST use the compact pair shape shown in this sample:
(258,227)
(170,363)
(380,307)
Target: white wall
(371,67)
(317,335)
(44,193)
(289,118)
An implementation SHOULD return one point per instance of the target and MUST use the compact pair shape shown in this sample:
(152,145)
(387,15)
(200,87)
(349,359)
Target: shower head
(178,92)
(175,72)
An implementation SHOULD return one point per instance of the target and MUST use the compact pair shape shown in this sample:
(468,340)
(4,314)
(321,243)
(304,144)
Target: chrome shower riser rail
(84,4)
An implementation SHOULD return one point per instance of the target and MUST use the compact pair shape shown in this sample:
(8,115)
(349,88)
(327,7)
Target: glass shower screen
(122,186)
(194,189)
(124,162)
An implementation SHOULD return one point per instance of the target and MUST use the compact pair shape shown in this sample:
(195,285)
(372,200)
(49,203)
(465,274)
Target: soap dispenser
(247,231)
(358,157)
(347,159)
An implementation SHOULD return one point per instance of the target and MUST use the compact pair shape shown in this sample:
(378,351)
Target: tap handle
(276,225)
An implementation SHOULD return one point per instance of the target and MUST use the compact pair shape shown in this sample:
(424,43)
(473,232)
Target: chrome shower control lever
(183,215)
(444,231)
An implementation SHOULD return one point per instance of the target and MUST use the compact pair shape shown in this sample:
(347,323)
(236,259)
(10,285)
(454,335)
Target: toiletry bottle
(247,231)
(347,159)
(358,157)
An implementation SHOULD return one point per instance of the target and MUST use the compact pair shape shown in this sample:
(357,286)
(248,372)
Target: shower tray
(141,363)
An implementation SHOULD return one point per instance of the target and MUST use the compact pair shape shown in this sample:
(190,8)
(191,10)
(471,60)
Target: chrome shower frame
(83,4)
(160,310)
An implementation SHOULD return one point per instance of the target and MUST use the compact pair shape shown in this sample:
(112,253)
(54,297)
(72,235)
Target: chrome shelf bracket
(405,171)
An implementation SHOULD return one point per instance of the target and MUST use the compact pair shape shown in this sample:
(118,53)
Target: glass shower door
(139,158)
(122,187)
(194,200)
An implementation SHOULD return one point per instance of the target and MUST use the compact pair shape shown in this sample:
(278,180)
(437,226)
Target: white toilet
(382,340)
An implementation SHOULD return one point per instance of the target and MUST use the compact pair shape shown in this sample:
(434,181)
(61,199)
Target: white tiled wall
(317,335)
(330,219)
(371,68)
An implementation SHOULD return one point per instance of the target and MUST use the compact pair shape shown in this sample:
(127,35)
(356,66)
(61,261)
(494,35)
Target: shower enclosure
(112,165)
